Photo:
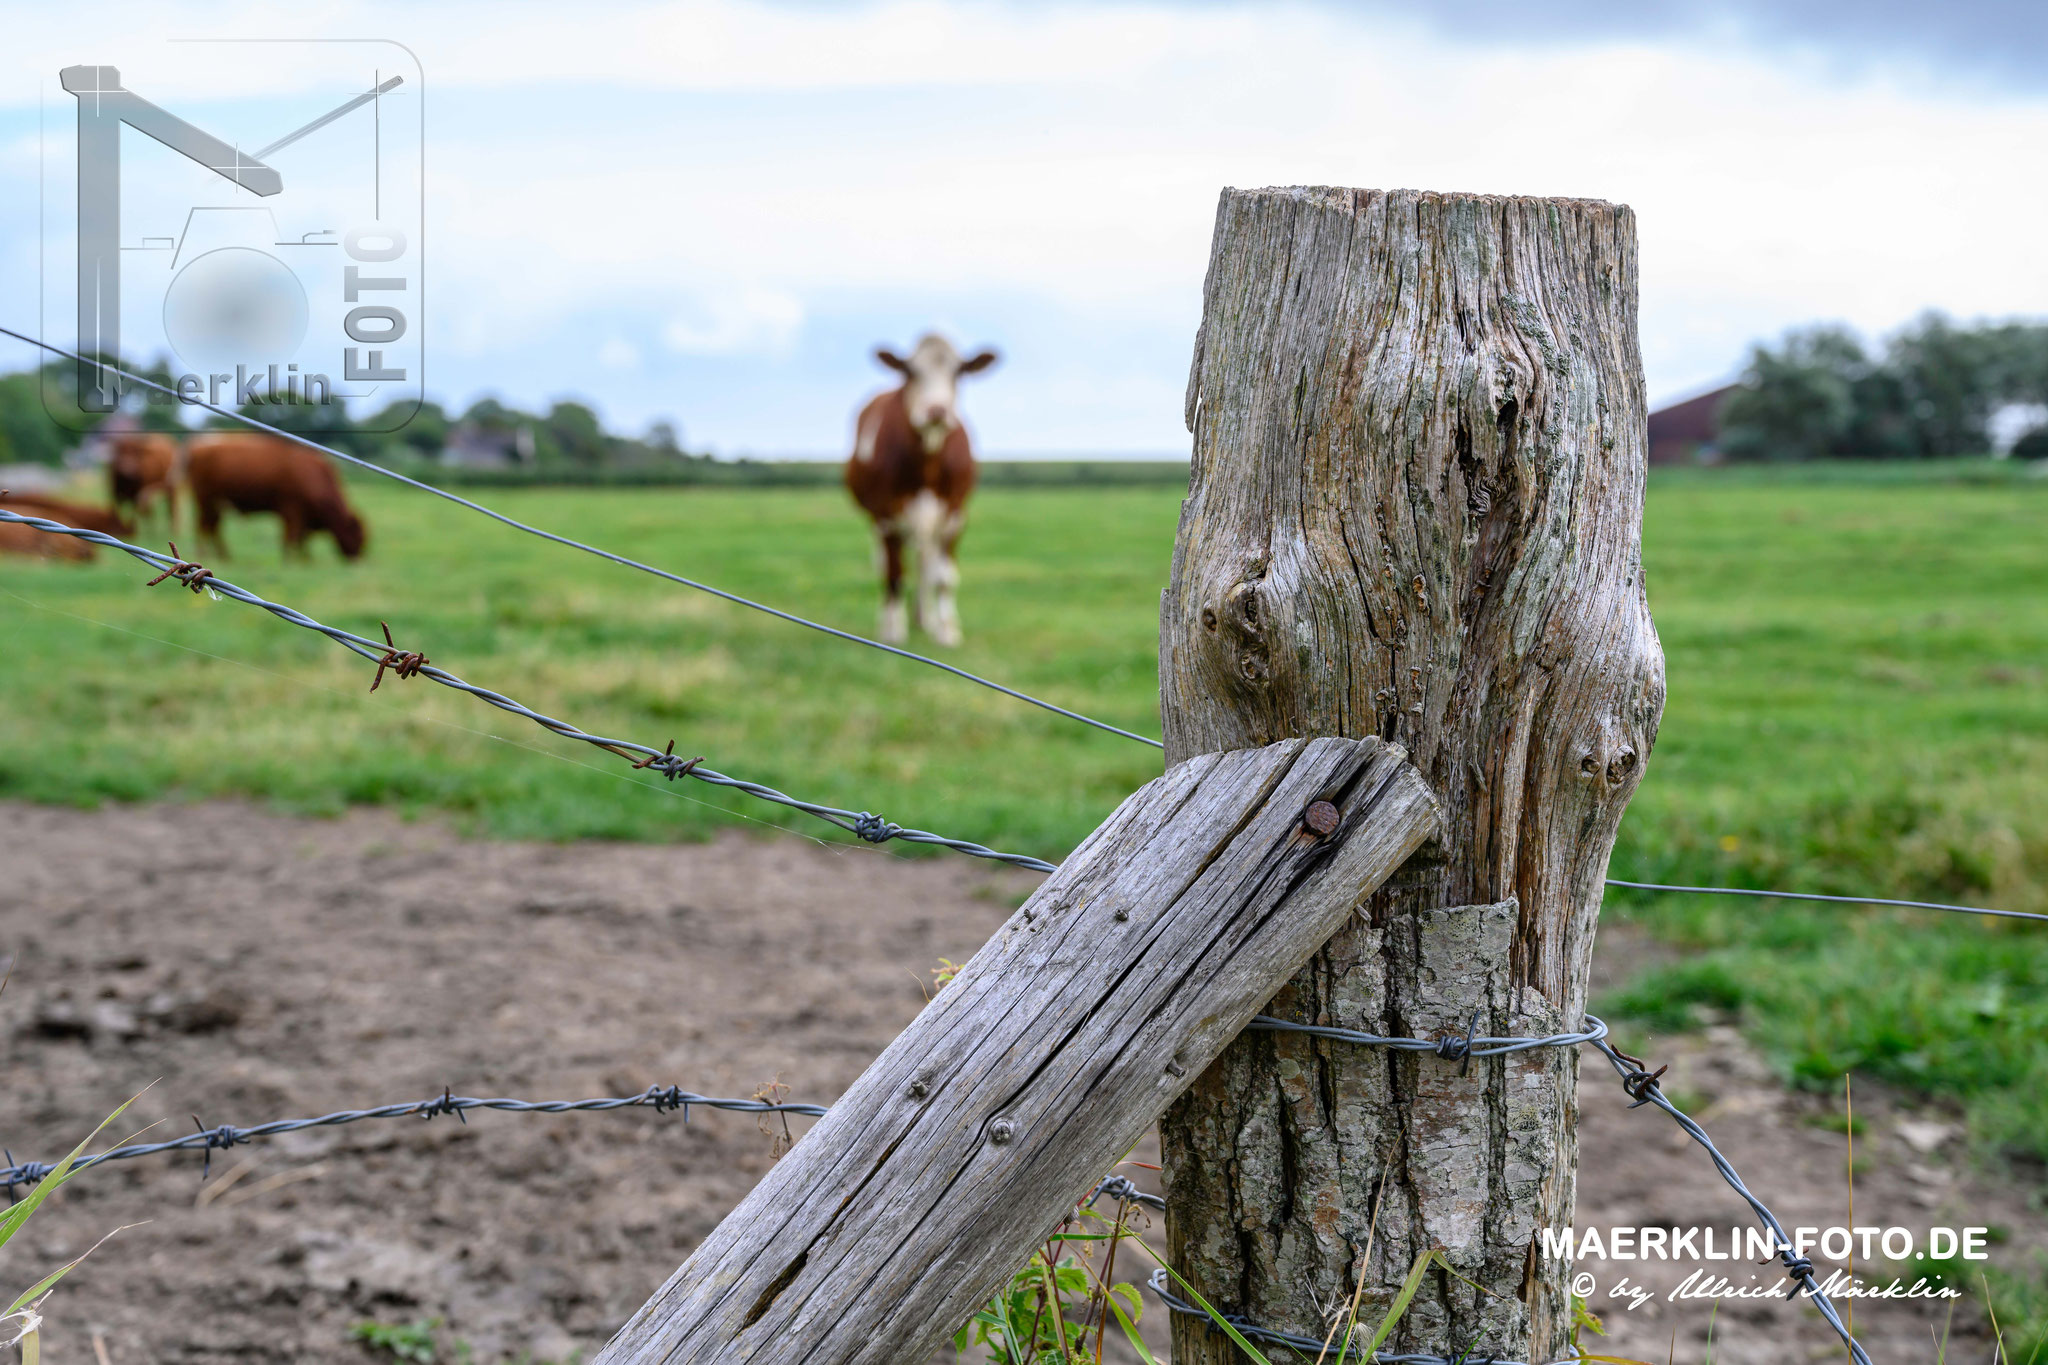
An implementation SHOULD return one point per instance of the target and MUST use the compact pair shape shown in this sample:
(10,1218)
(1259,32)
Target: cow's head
(350,535)
(134,453)
(931,384)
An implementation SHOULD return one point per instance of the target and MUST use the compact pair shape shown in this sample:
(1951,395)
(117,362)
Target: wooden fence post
(930,1181)
(1415,511)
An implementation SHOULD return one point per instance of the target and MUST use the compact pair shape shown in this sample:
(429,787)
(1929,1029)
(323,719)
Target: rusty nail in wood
(1320,818)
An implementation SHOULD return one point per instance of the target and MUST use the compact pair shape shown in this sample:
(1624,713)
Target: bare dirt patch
(255,966)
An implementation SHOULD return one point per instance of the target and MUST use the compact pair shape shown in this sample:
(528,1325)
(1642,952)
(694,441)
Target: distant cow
(911,472)
(252,472)
(141,467)
(81,515)
(16,539)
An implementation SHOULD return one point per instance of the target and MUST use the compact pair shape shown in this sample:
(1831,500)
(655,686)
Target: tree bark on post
(1415,511)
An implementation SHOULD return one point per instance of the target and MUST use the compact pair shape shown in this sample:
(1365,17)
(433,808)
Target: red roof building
(1689,432)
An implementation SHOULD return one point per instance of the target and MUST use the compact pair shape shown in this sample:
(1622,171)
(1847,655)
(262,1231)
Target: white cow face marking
(930,385)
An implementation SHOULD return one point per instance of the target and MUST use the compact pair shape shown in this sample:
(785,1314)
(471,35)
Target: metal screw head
(1320,818)
(1001,1131)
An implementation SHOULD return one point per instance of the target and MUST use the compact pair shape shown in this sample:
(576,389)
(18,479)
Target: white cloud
(618,354)
(742,321)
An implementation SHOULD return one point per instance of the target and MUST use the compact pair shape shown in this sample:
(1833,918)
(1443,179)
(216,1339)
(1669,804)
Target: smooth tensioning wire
(1814,896)
(574,544)
(869,827)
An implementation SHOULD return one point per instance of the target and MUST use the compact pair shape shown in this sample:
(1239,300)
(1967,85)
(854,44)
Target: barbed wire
(670,1097)
(1642,1087)
(518,525)
(1639,1082)
(866,825)
(1814,896)
(1453,1047)
(662,1099)
(1311,1346)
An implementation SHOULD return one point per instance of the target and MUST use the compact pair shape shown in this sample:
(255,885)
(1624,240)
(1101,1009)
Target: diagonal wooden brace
(930,1182)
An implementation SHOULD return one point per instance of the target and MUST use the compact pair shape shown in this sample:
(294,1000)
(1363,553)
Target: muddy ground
(248,966)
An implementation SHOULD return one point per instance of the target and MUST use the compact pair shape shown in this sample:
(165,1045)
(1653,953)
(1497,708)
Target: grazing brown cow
(81,515)
(252,472)
(142,466)
(911,472)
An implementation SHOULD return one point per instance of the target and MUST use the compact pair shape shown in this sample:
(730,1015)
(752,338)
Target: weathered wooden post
(929,1182)
(1415,512)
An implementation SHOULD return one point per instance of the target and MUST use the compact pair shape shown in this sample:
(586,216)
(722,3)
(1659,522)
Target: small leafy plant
(418,1343)
(1050,1309)
(410,1341)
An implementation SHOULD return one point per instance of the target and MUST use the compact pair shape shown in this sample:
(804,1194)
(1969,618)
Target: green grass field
(1857,662)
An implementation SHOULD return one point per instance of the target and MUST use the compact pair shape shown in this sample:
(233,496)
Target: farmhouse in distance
(1689,432)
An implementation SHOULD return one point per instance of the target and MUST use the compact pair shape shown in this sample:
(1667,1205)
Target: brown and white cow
(911,472)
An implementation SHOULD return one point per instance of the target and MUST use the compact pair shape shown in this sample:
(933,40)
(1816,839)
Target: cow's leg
(928,517)
(942,571)
(208,512)
(895,623)
(294,518)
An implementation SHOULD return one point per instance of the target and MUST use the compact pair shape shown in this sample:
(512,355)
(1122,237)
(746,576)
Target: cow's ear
(892,360)
(979,363)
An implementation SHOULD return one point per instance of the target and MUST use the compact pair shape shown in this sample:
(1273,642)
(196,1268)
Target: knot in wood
(1320,818)
(1001,1131)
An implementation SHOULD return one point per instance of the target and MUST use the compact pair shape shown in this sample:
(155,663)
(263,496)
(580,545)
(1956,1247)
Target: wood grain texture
(928,1184)
(1414,511)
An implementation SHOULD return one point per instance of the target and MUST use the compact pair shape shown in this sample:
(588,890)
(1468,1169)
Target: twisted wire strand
(1453,1047)
(1838,900)
(586,548)
(864,824)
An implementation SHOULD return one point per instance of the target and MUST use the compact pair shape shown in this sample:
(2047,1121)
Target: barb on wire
(1641,1085)
(1120,1187)
(662,1099)
(671,768)
(574,544)
(1836,900)
(192,575)
(404,663)
(860,823)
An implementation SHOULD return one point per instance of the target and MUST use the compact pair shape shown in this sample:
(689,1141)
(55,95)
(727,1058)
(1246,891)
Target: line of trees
(1931,391)
(40,422)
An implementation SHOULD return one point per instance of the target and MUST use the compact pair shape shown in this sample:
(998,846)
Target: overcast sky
(712,212)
